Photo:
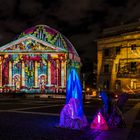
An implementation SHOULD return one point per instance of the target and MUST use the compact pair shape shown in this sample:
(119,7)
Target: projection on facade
(37,61)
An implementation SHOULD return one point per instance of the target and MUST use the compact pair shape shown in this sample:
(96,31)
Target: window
(133,47)
(117,84)
(117,50)
(116,67)
(106,52)
(133,84)
(106,84)
(133,66)
(106,68)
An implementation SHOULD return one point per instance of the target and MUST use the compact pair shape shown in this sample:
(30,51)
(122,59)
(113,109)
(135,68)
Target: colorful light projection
(72,115)
(31,71)
(99,123)
(39,60)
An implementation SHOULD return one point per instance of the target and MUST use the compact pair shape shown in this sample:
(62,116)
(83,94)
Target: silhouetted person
(122,100)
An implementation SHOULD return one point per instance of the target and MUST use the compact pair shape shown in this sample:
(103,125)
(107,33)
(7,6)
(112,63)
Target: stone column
(36,74)
(10,73)
(57,71)
(65,73)
(62,73)
(0,71)
(57,74)
(22,73)
(49,72)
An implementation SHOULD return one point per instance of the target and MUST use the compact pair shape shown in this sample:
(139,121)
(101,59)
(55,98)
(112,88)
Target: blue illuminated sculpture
(106,104)
(74,90)
(72,115)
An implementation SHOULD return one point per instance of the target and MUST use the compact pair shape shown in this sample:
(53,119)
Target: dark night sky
(80,21)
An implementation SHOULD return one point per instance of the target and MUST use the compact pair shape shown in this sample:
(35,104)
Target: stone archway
(17,81)
(42,82)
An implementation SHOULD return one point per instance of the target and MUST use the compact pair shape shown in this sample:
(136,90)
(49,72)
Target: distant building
(38,61)
(118,65)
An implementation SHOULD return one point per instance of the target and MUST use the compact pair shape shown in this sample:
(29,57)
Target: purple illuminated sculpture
(112,110)
(116,117)
(72,115)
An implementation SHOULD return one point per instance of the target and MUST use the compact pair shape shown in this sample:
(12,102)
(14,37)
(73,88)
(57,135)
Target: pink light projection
(99,123)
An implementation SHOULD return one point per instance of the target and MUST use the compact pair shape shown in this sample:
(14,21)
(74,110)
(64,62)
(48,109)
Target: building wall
(38,61)
(124,65)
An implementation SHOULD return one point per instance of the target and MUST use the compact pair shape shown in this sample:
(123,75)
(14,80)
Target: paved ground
(130,132)
(134,133)
(35,119)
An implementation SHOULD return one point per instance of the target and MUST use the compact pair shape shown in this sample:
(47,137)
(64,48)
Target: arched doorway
(17,81)
(133,84)
(42,82)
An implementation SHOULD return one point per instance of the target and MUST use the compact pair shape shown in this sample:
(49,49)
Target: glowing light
(88,89)
(94,93)
(99,123)
(116,96)
(99,118)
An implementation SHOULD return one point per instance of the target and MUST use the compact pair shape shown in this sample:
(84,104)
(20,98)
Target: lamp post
(83,83)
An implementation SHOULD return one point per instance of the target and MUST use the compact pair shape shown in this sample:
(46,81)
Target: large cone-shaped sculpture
(72,115)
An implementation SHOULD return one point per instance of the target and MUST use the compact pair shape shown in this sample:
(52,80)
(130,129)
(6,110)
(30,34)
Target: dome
(51,36)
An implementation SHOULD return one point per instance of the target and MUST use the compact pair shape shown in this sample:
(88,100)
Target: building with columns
(118,65)
(37,61)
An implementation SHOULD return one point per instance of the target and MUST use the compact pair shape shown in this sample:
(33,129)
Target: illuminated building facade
(119,58)
(38,61)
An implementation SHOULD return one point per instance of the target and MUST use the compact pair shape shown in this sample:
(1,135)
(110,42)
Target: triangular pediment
(30,43)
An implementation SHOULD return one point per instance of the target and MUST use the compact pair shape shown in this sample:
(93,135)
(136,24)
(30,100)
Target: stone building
(37,61)
(118,55)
